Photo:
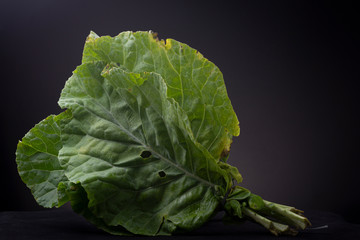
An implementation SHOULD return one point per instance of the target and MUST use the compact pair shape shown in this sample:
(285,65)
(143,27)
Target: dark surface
(64,224)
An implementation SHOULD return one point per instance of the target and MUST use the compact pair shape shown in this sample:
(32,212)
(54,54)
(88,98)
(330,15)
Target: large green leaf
(132,150)
(193,81)
(39,168)
(37,160)
(138,150)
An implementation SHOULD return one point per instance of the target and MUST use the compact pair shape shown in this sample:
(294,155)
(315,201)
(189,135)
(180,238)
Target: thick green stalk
(277,218)
(273,227)
(286,214)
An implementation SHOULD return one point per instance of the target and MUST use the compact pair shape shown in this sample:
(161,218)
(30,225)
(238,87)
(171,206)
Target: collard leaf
(39,168)
(132,149)
(239,193)
(232,171)
(138,151)
(233,207)
(256,202)
(193,81)
(37,160)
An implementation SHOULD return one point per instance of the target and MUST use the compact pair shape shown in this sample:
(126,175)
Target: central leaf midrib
(147,147)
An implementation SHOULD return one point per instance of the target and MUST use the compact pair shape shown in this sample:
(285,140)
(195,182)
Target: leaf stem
(277,218)
(273,227)
(287,214)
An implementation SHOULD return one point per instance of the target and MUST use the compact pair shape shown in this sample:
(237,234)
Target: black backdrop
(290,67)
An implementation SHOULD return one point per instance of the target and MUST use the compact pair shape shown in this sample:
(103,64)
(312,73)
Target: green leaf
(256,202)
(239,193)
(232,171)
(132,150)
(37,160)
(192,80)
(142,148)
(39,168)
(234,207)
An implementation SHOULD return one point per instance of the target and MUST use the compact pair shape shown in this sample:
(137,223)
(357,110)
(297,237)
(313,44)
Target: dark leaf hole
(145,154)
(162,174)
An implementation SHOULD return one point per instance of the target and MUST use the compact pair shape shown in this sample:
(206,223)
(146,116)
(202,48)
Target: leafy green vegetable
(37,160)
(142,145)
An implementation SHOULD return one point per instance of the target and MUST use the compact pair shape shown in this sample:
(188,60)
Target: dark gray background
(290,67)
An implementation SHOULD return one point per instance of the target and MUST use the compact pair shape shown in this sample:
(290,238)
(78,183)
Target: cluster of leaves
(141,146)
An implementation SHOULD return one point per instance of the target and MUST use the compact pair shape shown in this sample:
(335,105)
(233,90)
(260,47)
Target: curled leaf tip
(92,36)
